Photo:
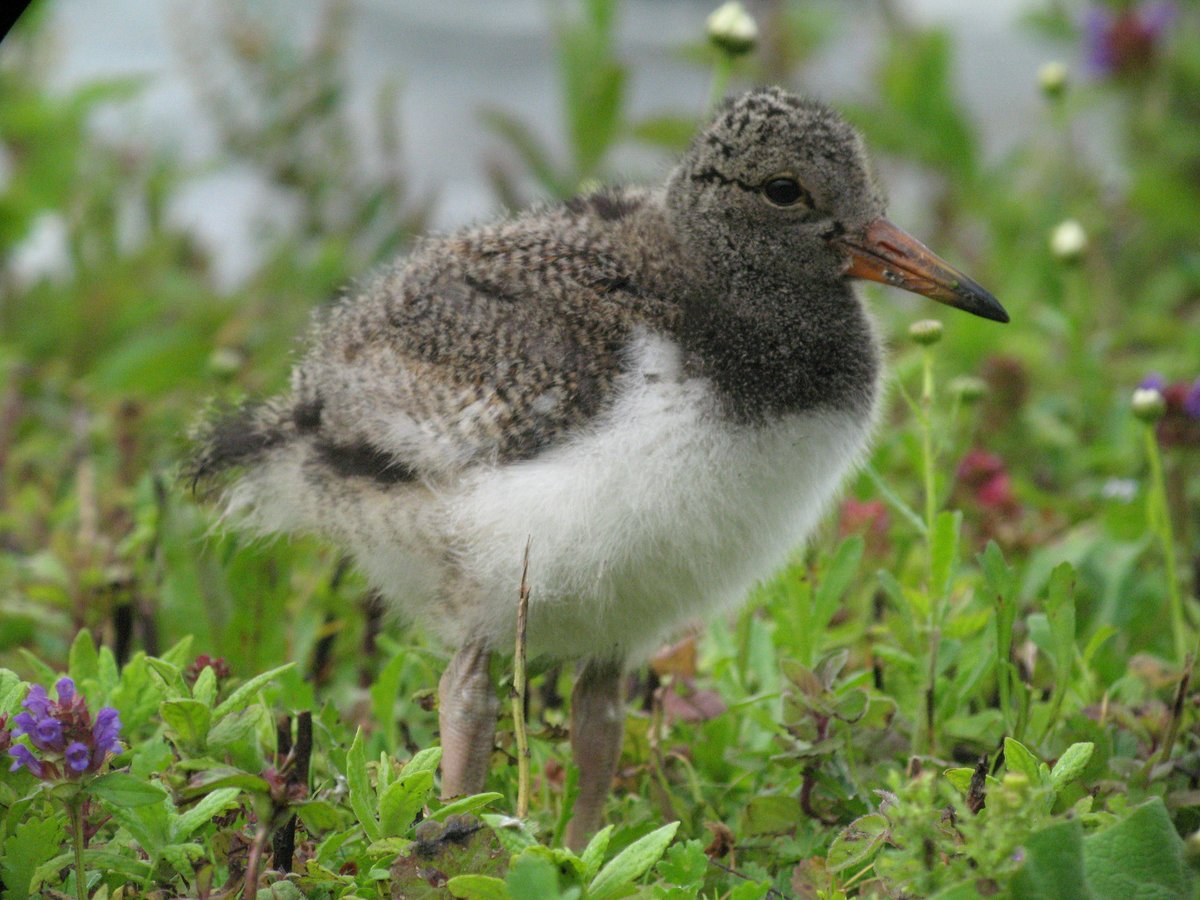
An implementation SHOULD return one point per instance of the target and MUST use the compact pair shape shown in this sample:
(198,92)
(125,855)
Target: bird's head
(782,184)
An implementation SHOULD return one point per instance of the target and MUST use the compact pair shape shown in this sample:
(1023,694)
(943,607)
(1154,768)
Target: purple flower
(78,756)
(22,757)
(1125,41)
(105,732)
(69,742)
(24,723)
(66,691)
(36,701)
(1191,403)
(1153,381)
(47,734)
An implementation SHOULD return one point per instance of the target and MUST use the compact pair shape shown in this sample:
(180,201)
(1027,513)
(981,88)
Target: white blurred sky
(455,56)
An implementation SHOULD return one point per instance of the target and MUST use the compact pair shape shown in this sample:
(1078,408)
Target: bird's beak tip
(887,254)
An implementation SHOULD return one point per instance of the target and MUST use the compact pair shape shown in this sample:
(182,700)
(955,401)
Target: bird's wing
(487,346)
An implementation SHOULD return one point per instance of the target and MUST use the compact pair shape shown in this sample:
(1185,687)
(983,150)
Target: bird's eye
(783,191)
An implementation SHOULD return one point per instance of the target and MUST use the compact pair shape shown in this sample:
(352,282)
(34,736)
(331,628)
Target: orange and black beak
(886,254)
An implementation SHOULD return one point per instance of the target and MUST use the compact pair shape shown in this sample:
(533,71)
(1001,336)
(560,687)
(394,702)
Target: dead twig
(1185,679)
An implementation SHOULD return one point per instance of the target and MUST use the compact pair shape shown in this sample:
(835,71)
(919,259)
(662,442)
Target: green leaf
(477,887)
(280,890)
(1053,865)
(684,864)
(857,842)
(243,696)
(236,733)
(998,575)
(12,689)
(383,696)
(107,673)
(1071,764)
(532,877)
(1060,610)
(771,814)
(388,846)
(82,662)
(211,805)
(402,800)
(510,832)
(836,579)
(42,673)
(943,551)
(1141,856)
(362,798)
(318,815)
(470,804)
(631,863)
(425,761)
(123,790)
(108,861)
(205,688)
(171,674)
(673,133)
(179,654)
(149,825)
(221,777)
(750,890)
(27,848)
(960,778)
(1018,758)
(1097,640)
(188,719)
(593,853)
(964,890)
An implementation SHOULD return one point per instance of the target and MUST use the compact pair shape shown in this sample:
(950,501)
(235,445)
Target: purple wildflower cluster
(68,742)
(1126,41)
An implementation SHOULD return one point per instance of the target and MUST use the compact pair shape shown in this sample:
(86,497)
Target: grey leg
(467,710)
(597,726)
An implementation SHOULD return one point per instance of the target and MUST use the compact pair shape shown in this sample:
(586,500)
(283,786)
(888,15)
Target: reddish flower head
(1127,41)
(1180,424)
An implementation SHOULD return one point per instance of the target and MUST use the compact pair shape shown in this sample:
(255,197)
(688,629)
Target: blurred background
(180,187)
(447,64)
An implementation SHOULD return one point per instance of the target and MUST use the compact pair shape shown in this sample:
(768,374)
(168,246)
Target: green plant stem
(923,739)
(518,693)
(76,809)
(722,72)
(1159,515)
(927,445)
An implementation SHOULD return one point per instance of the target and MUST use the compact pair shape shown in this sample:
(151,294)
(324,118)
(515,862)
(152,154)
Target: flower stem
(76,810)
(923,742)
(518,692)
(927,443)
(1158,513)
(721,74)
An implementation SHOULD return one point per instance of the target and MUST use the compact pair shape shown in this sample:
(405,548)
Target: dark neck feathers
(771,348)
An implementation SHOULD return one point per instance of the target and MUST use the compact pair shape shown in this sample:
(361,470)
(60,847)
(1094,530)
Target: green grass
(975,681)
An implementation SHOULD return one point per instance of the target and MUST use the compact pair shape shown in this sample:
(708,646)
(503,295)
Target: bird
(657,391)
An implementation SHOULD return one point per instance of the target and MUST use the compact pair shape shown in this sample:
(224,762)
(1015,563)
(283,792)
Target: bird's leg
(467,710)
(597,725)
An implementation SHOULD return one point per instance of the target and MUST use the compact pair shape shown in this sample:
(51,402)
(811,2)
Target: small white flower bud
(732,29)
(1052,78)
(1148,404)
(926,331)
(1068,241)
